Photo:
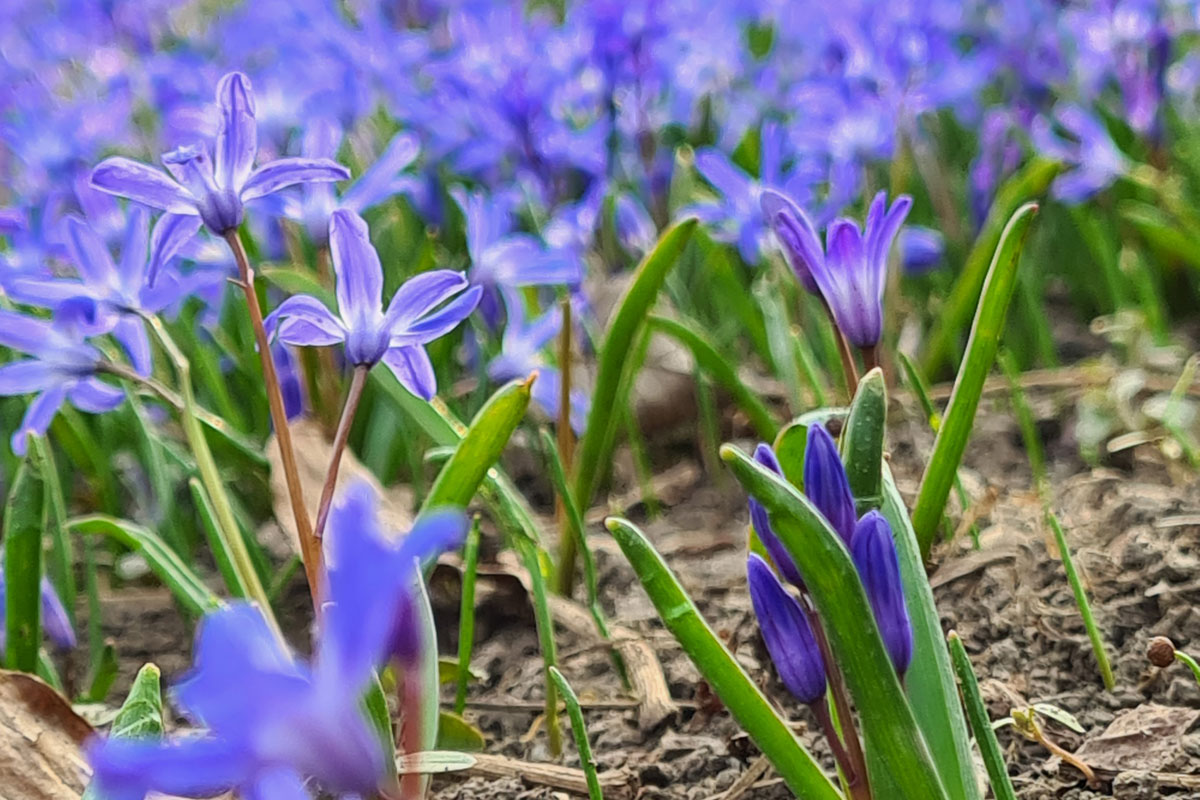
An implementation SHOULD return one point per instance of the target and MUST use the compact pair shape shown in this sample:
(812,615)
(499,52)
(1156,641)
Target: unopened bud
(1160,651)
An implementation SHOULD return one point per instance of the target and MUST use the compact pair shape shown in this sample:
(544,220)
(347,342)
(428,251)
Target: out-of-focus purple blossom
(291,385)
(214,189)
(874,552)
(921,249)
(759,518)
(635,228)
(786,632)
(397,337)
(522,352)
(1083,144)
(381,181)
(63,367)
(999,156)
(55,621)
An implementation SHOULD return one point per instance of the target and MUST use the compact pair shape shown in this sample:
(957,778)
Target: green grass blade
(579,732)
(187,587)
(736,689)
(862,441)
(721,371)
(216,543)
(1081,600)
(61,569)
(544,621)
(899,760)
(466,617)
(1189,662)
(480,447)
(102,675)
(1031,181)
(981,352)
(627,321)
(1025,421)
(981,725)
(25,515)
(930,680)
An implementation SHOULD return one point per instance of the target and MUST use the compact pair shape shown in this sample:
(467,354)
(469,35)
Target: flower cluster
(271,722)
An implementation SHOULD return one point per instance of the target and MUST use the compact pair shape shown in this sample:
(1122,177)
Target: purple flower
(63,367)
(787,633)
(214,189)
(55,621)
(921,249)
(826,484)
(397,337)
(850,272)
(874,553)
(764,455)
(1083,145)
(275,723)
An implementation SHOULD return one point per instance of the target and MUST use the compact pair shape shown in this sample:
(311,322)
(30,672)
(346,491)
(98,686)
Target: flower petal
(285,172)
(378,183)
(23,377)
(196,766)
(130,331)
(420,294)
(880,239)
(826,484)
(89,254)
(38,417)
(796,233)
(237,136)
(143,184)
(442,321)
(55,621)
(412,367)
(305,320)
(722,173)
(277,783)
(95,396)
(359,273)
(171,232)
(786,632)
(874,552)
(761,521)
(132,271)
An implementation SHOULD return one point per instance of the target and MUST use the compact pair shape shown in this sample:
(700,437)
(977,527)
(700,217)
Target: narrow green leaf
(724,373)
(103,675)
(455,733)
(216,543)
(375,703)
(61,569)
(187,587)
(1161,232)
(626,323)
(862,441)
(25,515)
(985,736)
(480,447)
(580,734)
(736,689)
(294,281)
(899,759)
(930,679)
(1081,600)
(544,622)
(141,715)
(943,340)
(968,386)
(434,762)
(1189,662)
(466,618)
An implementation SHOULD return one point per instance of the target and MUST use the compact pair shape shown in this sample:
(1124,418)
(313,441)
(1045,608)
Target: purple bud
(796,233)
(874,553)
(826,484)
(762,524)
(786,631)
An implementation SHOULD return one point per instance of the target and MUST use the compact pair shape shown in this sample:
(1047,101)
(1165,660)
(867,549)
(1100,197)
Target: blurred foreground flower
(214,189)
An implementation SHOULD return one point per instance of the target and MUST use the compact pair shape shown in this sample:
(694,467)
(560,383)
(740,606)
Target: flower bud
(826,484)
(786,631)
(874,553)
(1161,651)
(764,455)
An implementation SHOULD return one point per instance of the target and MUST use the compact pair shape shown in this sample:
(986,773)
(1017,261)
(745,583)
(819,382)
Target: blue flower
(764,455)
(1084,146)
(63,366)
(826,484)
(55,621)
(850,271)
(214,189)
(274,723)
(921,249)
(874,552)
(397,337)
(786,632)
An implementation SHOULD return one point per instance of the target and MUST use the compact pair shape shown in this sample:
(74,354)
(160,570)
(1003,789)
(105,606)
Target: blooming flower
(63,367)
(370,335)
(214,189)
(55,621)
(1085,146)
(874,552)
(787,633)
(273,722)
(850,271)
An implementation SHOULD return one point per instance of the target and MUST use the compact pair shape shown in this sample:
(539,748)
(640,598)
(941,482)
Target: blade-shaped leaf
(862,441)
(985,734)
(25,515)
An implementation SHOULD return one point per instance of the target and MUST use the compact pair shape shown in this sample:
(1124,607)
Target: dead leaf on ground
(313,451)
(1144,738)
(40,740)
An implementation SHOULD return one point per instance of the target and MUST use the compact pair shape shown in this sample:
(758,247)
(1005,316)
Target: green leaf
(1161,232)
(448,671)
(103,675)
(899,760)
(930,679)
(724,373)
(61,569)
(455,733)
(544,621)
(187,587)
(579,732)
(480,447)
(294,281)
(985,734)
(981,352)
(141,715)
(623,330)
(459,670)
(1030,182)
(862,441)
(737,690)
(25,514)
(216,543)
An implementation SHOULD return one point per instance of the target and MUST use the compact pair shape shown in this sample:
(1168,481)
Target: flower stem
(310,548)
(566,451)
(226,527)
(358,382)
(848,368)
(856,769)
(821,710)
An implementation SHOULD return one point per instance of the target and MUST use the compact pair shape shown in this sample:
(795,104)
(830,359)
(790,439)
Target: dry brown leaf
(313,451)
(40,739)
(1144,738)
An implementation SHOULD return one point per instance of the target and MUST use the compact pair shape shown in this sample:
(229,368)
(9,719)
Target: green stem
(579,731)
(466,617)
(226,524)
(1081,600)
